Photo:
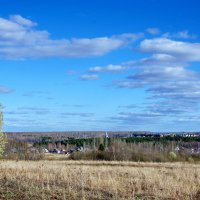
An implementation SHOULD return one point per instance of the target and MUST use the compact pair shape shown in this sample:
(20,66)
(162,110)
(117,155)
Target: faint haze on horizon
(100,65)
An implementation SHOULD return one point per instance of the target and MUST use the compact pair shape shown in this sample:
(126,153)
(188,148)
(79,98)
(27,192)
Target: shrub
(101,147)
(172,156)
(190,159)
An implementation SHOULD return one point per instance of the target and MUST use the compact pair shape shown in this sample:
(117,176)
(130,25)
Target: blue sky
(100,65)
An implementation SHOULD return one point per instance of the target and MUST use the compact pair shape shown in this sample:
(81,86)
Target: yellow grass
(52,156)
(98,180)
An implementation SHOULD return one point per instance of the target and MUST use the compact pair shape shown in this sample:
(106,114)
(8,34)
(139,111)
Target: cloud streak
(5,90)
(28,111)
(172,86)
(108,68)
(183,51)
(89,77)
(153,31)
(19,39)
(180,35)
(74,114)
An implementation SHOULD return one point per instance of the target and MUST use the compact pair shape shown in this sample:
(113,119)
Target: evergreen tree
(101,147)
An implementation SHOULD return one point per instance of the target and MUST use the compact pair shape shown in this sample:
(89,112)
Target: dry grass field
(44,180)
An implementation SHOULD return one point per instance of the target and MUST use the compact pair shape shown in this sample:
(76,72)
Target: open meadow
(54,179)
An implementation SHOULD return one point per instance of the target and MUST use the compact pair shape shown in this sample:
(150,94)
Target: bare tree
(2,135)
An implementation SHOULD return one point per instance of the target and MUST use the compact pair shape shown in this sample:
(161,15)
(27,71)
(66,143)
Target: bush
(92,155)
(190,159)
(172,156)
(101,147)
(23,156)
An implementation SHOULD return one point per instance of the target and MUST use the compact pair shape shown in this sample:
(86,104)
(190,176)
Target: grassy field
(98,180)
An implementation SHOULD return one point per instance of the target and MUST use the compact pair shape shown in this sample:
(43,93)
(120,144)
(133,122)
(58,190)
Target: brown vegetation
(142,152)
(98,180)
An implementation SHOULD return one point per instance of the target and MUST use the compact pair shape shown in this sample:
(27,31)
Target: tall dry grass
(63,180)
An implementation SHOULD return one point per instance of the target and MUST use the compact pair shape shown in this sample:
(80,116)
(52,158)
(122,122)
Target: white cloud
(185,35)
(89,77)
(138,117)
(74,114)
(181,35)
(173,88)
(185,51)
(108,68)
(22,21)
(19,40)
(5,90)
(153,31)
